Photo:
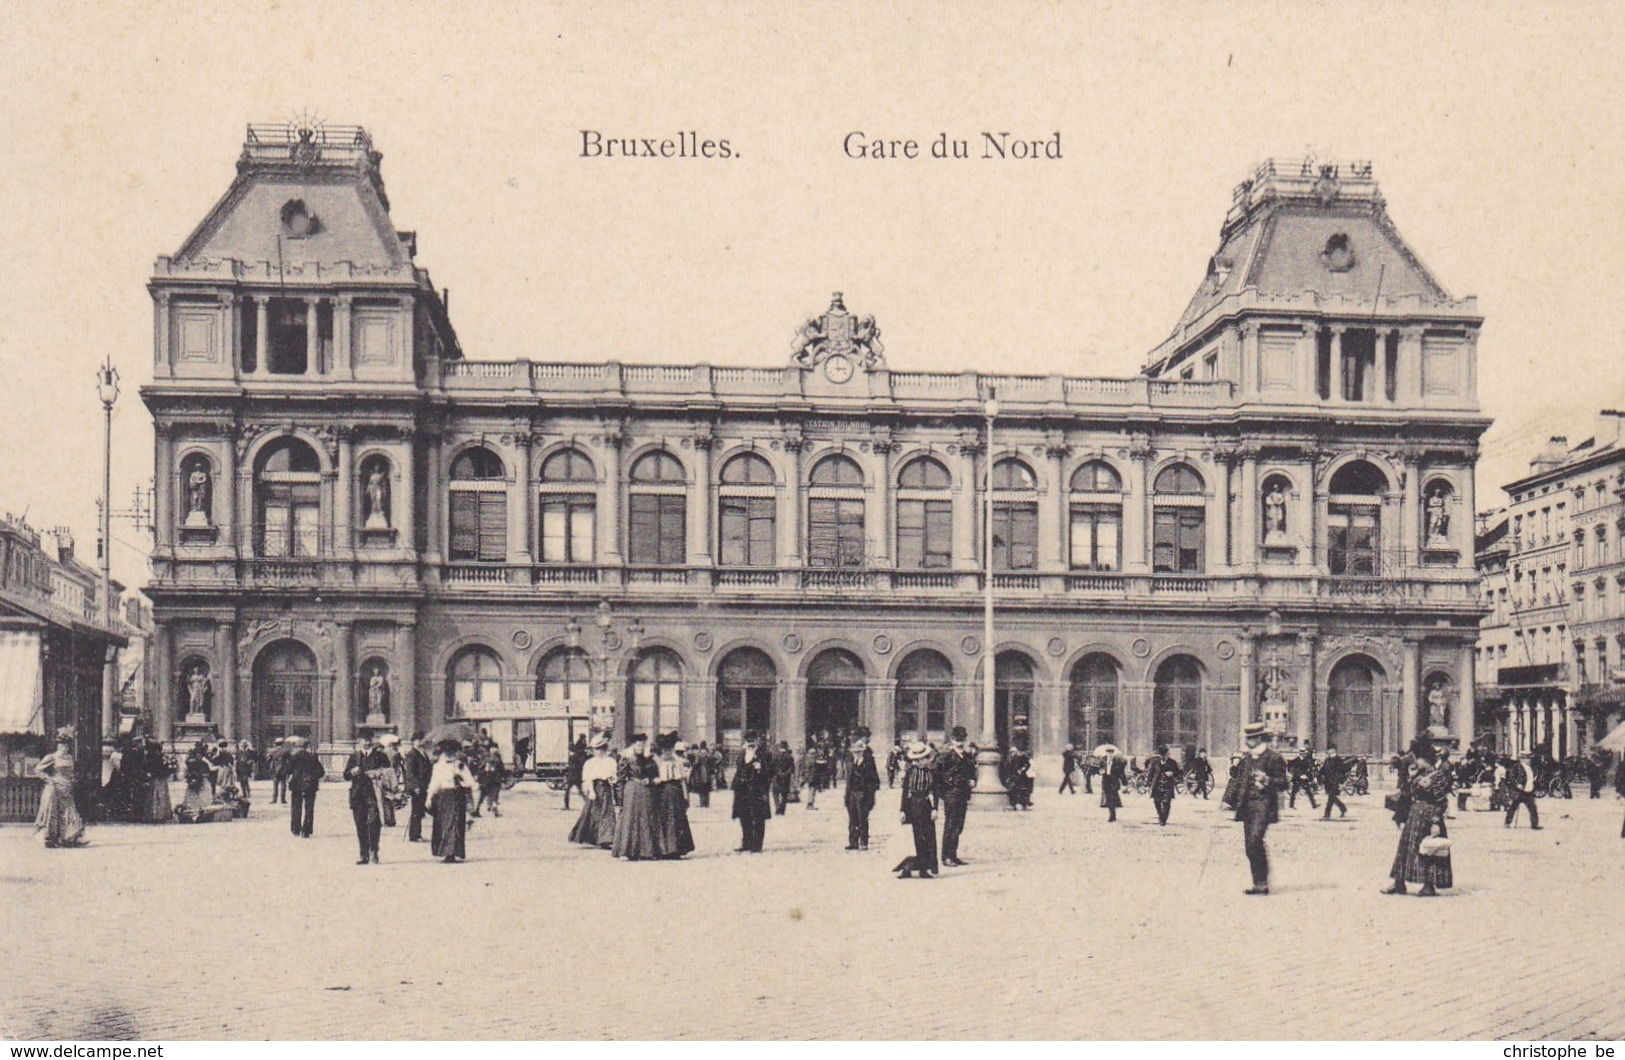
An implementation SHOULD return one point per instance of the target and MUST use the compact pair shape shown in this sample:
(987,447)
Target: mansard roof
(1315,234)
(303,197)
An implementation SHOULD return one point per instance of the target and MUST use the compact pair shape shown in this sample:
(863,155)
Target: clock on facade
(838,369)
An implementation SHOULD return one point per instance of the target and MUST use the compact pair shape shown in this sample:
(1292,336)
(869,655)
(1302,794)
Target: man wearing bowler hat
(1255,796)
(956,776)
(752,780)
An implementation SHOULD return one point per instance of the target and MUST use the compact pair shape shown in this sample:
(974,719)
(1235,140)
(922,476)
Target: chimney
(1556,451)
(64,547)
(1610,427)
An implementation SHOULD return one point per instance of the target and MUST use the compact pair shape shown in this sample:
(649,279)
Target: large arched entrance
(1176,705)
(746,680)
(835,682)
(1013,685)
(1092,703)
(1352,696)
(286,693)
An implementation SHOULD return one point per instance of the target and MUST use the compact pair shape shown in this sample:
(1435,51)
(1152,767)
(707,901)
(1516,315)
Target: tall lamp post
(988,782)
(107,391)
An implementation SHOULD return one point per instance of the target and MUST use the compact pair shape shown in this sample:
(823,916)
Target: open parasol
(1614,741)
(460,731)
(1106,749)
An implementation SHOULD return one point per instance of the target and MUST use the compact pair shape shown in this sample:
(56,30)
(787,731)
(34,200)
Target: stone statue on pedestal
(1274,514)
(377,498)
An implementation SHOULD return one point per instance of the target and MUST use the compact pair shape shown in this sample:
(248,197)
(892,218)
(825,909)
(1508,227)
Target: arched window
(474,677)
(1179,522)
(747,469)
(288,500)
(1092,703)
(746,680)
(748,509)
(925,516)
(479,507)
(925,683)
(1013,687)
(658,527)
(569,508)
(1351,706)
(1354,519)
(655,692)
(1176,703)
(1015,516)
(835,514)
(197,492)
(564,676)
(1096,517)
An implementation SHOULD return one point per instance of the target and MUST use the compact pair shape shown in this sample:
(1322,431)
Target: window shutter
(822,540)
(762,523)
(735,532)
(465,519)
(911,535)
(493,527)
(1024,537)
(939,534)
(851,533)
(643,542)
(673,530)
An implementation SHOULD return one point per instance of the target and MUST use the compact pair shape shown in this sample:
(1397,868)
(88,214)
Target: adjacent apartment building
(360,528)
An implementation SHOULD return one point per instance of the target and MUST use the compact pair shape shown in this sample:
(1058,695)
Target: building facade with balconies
(360,528)
(1560,678)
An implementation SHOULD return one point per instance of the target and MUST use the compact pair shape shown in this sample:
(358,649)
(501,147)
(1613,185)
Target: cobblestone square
(1061,926)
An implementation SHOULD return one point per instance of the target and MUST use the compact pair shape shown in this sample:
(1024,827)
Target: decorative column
(225,698)
(160,327)
(792,720)
(1339,369)
(225,505)
(1462,530)
(404,699)
(342,365)
(1248,369)
(1409,389)
(883,716)
(262,326)
(522,502)
(1462,719)
(1306,691)
(967,510)
(1410,519)
(163,677)
(233,705)
(435,502)
(1247,555)
(1224,546)
(699,502)
(1136,547)
(166,479)
(1380,357)
(698,711)
(313,337)
(1249,681)
(794,505)
(345,532)
(609,526)
(880,504)
(1052,511)
(344,682)
(1409,691)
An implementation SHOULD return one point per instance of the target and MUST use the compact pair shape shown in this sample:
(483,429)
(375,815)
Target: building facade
(1554,560)
(359,528)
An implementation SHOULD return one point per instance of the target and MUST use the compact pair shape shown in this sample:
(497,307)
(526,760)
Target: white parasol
(1614,741)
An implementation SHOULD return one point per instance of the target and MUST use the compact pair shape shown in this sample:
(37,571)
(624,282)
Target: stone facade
(1273,519)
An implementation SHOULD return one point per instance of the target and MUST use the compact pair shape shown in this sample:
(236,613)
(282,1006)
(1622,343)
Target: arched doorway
(746,680)
(1176,705)
(1013,685)
(835,682)
(1351,706)
(925,683)
(1092,703)
(285,694)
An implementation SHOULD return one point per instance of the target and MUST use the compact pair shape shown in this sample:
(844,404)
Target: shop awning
(21,705)
(1614,741)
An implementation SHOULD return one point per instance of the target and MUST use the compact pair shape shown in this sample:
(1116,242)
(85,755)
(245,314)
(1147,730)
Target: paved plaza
(1061,926)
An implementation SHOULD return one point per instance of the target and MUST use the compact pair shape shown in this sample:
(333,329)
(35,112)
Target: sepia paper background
(1494,130)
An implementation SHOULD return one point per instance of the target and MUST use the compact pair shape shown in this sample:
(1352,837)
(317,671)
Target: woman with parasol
(449,785)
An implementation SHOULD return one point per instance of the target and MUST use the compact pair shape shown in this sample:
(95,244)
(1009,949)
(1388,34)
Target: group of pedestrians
(636,804)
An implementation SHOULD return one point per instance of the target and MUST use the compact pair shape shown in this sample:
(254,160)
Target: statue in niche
(1438,517)
(1438,703)
(197,497)
(377,501)
(199,692)
(377,696)
(1275,514)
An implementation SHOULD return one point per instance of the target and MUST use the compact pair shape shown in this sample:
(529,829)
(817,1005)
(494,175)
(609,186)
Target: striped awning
(21,704)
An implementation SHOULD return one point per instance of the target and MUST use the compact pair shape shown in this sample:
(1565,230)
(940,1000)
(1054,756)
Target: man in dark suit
(1521,791)
(752,782)
(305,775)
(1256,798)
(956,776)
(862,783)
(1333,772)
(1162,777)
(277,762)
(1302,771)
(782,776)
(1113,776)
(365,760)
(416,768)
(1069,764)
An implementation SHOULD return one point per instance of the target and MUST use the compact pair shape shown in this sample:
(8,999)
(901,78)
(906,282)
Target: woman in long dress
(596,825)
(449,785)
(1429,789)
(637,834)
(917,814)
(58,815)
(671,799)
(156,807)
(198,775)
(225,775)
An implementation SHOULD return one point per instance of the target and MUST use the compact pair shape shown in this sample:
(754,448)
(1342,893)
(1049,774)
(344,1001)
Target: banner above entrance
(528,708)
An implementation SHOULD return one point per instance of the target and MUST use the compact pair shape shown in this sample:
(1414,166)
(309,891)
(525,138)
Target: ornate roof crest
(838,333)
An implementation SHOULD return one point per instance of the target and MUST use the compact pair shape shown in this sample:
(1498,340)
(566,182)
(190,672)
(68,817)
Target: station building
(359,528)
